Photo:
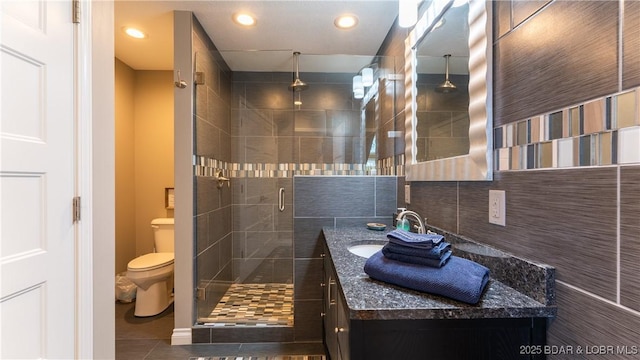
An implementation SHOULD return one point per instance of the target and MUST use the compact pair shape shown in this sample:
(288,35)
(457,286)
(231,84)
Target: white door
(37,300)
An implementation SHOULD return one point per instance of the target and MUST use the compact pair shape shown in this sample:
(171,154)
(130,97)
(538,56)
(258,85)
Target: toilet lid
(150,261)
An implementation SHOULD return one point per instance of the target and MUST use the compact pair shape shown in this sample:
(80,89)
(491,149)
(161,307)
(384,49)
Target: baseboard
(181,336)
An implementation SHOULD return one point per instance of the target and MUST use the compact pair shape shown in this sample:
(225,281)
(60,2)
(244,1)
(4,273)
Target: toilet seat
(150,261)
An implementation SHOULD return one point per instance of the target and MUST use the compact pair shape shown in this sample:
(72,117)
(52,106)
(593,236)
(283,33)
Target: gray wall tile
(436,201)
(363,221)
(522,10)
(385,195)
(247,335)
(565,224)
(631,45)
(308,322)
(584,320)
(334,196)
(558,69)
(308,277)
(308,236)
(630,237)
(501,18)
(253,218)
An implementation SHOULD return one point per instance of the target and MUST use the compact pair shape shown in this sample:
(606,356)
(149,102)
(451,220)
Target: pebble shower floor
(254,305)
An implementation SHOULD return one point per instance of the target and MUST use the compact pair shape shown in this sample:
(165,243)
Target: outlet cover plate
(497,207)
(407,194)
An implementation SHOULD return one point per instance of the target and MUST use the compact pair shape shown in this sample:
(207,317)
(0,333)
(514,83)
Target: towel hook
(179,82)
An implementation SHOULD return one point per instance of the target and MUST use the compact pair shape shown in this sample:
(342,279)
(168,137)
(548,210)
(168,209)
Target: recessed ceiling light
(135,33)
(244,19)
(346,21)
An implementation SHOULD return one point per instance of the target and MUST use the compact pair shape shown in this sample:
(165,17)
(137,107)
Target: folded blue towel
(460,279)
(435,252)
(418,241)
(418,259)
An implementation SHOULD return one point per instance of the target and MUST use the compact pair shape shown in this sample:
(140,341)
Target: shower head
(297,84)
(447,86)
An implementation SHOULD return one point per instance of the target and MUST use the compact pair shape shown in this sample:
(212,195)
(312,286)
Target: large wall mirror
(449,102)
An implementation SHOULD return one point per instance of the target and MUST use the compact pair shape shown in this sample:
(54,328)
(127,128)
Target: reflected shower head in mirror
(447,86)
(297,85)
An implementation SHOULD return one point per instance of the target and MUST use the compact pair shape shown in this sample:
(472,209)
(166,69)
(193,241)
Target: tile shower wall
(331,201)
(213,210)
(581,218)
(272,141)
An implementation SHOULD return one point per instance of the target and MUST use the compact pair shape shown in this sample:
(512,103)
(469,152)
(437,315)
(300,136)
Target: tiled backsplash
(604,131)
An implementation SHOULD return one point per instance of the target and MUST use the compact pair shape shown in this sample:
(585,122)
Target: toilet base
(154,300)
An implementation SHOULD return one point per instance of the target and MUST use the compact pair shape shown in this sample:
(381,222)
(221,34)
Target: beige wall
(144,157)
(153,112)
(125,187)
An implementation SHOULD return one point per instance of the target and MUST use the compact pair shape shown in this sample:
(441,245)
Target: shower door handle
(281,199)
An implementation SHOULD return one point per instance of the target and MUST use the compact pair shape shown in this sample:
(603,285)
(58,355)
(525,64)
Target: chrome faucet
(420,227)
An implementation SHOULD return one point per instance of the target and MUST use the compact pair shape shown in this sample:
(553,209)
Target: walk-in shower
(247,129)
(244,231)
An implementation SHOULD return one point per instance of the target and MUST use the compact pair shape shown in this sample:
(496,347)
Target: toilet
(153,273)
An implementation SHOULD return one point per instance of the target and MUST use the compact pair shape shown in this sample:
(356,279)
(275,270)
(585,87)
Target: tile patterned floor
(254,305)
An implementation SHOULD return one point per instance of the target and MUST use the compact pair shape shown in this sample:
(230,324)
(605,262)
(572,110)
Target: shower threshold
(255,305)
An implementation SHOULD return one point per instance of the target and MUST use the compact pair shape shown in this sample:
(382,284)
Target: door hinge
(75,11)
(76,209)
(201,294)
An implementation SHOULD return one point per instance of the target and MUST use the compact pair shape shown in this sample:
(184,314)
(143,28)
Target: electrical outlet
(407,194)
(497,207)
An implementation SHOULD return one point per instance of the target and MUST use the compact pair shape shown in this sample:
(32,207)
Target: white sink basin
(365,250)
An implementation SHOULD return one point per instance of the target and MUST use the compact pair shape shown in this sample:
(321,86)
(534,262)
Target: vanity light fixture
(345,22)
(244,19)
(367,76)
(363,79)
(358,87)
(134,33)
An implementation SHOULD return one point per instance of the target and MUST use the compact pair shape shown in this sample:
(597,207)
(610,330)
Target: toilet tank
(163,234)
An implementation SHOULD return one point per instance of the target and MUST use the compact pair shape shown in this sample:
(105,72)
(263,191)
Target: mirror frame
(477,165)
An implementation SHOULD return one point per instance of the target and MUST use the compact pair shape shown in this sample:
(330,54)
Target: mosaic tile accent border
(391,166)
(203,166)
(601,132)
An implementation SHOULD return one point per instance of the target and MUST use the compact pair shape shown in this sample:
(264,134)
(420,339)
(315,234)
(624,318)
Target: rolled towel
(418,241)
(440,262)
(460,279)
(435,252)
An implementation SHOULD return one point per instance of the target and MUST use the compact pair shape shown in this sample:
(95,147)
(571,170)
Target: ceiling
(282,28)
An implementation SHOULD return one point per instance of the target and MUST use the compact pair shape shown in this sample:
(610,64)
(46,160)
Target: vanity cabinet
(336,317)
(368,320)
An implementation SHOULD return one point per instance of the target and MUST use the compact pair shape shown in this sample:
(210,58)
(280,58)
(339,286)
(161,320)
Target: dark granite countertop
(517,288)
